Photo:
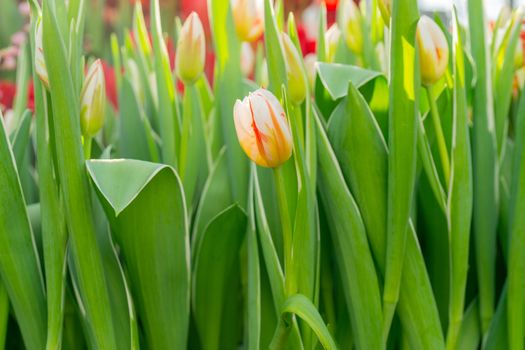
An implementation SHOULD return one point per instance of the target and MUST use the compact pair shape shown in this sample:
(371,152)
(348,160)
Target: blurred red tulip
(7,95)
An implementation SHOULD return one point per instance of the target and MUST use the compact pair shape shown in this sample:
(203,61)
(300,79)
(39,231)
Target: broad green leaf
(402,135)
(484,161)
(460,194)
(4,314)
(217,257)
(362,155)
(147,214)
(19,263)
(350,246)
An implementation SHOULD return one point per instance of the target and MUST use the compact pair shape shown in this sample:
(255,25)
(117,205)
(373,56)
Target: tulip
(263,78)
(248,17)
(349,21)
(262,128)
(332,37)
(189,62)
(93,100)
(297,85)
(433,50)
(40,62)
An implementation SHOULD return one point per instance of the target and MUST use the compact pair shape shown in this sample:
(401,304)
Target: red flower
(7,95)
(111,86)
(308,45)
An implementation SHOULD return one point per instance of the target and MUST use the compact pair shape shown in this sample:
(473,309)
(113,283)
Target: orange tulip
(262,128)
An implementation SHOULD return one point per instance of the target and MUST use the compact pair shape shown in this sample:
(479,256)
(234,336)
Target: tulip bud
(189,61)
(40,62)
(262,128)
(93,100)
(297,84)
(349,21)
(332,37)
(385,7)
(248,17)
(433,50)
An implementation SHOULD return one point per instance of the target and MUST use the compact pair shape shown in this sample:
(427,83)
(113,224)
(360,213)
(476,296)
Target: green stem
(280,337)
(186,129)
(287,230)
(87,146)
(440,137)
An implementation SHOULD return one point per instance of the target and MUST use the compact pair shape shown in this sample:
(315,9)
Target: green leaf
(21,139)
(497,334)
(402,136)
(19,263)
(228,88)
(148,218)
(516,259)
(274,51)
(302,307)
(460,194)
(504,82)
(132,141)
(169,125)
(216,258)
(485,169)
(470,333)
(351,249)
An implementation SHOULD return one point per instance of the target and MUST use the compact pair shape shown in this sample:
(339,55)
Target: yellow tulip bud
(40,62)
(349,21)
(297,84)
(262,128)
(248,17)
(189,61)
(433,50)
(93,100)
(264,79)
(332,37)
(385,7)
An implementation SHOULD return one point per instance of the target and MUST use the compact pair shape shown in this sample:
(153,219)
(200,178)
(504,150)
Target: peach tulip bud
(349,21)
(93,100)
(297,85)
(189,61)
(40,62)
(332,37)
(433,50)
(248,17)
(262,129)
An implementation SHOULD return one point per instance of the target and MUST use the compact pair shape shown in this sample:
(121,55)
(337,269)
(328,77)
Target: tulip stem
(287,229)
(442,146)
(87,146)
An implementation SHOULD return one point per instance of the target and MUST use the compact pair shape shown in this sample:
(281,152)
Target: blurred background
(108,16)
